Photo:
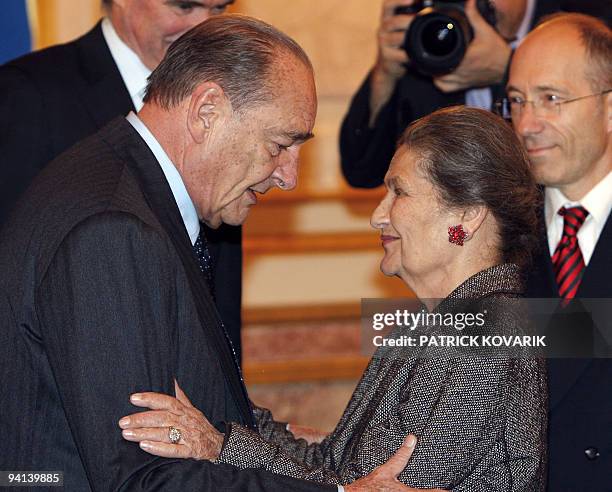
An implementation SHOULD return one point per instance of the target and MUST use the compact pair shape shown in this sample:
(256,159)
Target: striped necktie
(205,263)
(206,267)
(567,260)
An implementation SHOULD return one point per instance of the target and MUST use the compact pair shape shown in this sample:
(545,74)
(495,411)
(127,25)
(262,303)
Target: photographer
(395,94)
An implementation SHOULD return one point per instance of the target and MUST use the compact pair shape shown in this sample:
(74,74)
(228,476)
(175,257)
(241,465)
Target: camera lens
(439,37)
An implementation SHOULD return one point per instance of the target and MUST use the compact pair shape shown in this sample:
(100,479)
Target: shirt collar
(598,201)
(133,72)
(181,196)
(525,26)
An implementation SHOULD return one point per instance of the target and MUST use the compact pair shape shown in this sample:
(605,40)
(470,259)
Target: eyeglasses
(545,105)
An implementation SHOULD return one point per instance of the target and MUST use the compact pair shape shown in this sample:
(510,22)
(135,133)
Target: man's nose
(286,174)
(528,122)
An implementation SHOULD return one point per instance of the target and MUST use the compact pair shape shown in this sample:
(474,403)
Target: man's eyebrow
(185,3)
(550,88)
(539,88)
(298,136)
(199,3)
(190,3)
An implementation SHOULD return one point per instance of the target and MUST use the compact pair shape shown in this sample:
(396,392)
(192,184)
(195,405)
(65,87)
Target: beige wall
(59,21)
(339,36)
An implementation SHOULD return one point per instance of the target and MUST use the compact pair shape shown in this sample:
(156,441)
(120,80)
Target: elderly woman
(457,224)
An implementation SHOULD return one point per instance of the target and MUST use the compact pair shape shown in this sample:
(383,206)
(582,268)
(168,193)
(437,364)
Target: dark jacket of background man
(576,172)
(580,409)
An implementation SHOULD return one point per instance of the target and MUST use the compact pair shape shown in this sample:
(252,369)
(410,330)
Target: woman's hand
(198,438)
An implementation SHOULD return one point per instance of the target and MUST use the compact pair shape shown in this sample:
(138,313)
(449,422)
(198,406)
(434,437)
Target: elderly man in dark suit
(560,101)
(105,286)
(53,98)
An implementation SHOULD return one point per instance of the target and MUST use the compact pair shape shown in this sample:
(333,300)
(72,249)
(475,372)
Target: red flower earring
(456,235)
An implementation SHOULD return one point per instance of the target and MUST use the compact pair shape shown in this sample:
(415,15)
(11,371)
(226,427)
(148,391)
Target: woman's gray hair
(235,51)
(473,157)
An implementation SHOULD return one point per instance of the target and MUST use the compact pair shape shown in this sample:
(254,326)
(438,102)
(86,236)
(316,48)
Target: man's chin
(547,174)
(213,223)
(235,218)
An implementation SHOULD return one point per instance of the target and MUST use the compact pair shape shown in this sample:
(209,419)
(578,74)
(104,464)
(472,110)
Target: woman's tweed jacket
(480,422)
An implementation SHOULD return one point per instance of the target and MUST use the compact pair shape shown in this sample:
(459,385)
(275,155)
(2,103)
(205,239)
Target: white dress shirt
(481,97)
(133,72)
(598,202)
(181,197)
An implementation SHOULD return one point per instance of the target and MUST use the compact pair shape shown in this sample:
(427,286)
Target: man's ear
(472,218)
(207,105)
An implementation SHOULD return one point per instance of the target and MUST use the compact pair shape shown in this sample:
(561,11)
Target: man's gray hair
(235,51)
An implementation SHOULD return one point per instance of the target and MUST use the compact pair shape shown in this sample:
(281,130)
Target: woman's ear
(207,106)
(472,218)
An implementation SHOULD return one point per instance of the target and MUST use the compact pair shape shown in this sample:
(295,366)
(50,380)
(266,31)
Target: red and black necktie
(567,260)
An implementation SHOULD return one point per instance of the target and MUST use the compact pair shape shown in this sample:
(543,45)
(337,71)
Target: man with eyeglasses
(560,103)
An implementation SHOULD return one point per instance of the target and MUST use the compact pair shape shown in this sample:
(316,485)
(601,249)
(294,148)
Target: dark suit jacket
(51,99)
(367,151)
(580,420)
(101,296)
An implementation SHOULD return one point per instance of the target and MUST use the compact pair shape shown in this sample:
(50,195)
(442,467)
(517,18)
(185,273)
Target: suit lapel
(122,136)
(103,93)
(542,282)
(596,279)
(562,375)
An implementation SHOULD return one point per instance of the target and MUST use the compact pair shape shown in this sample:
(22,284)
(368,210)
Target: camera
(440,33)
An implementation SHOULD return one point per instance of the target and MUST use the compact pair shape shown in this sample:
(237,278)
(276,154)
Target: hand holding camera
(391,61)
(392,58)
(485,60)
(453,41)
